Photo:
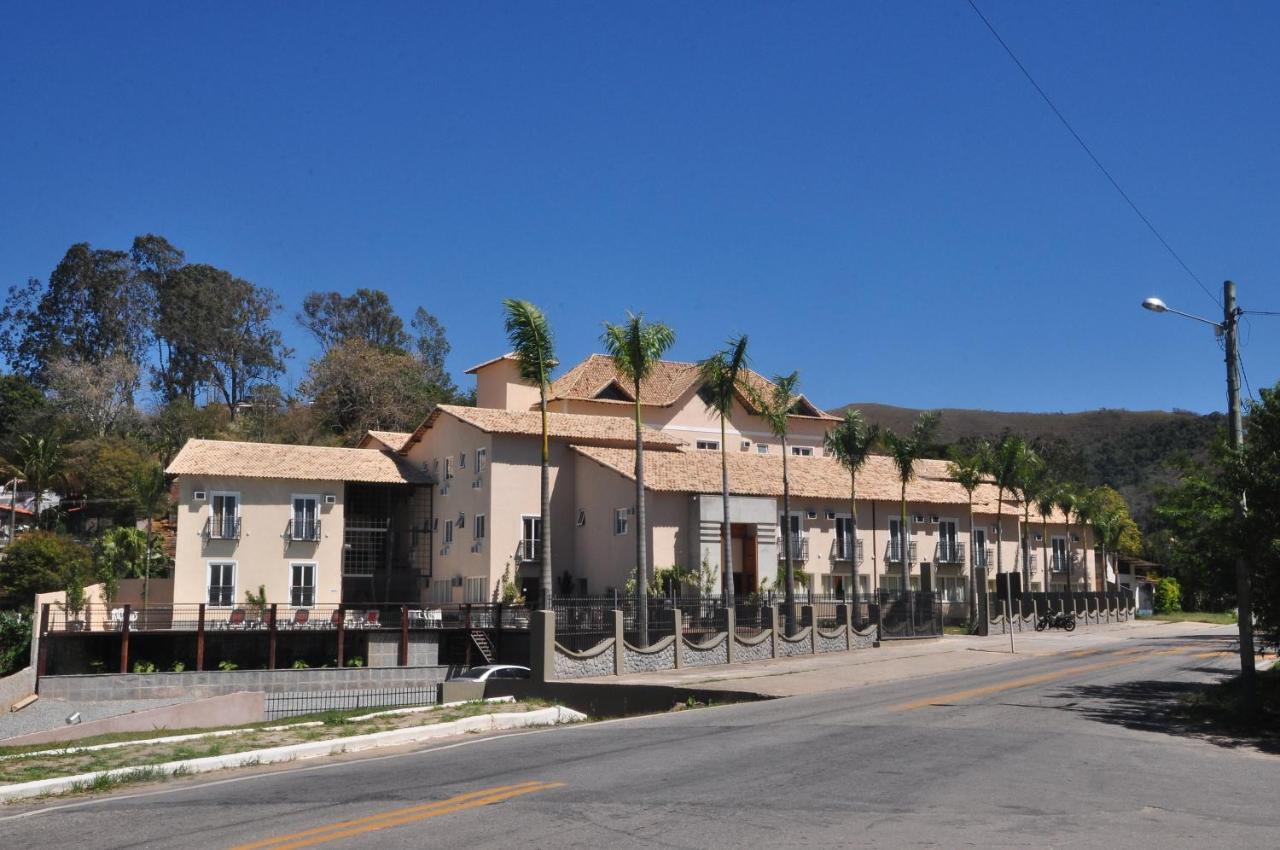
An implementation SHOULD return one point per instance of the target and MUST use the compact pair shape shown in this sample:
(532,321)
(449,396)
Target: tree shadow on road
(1206,711)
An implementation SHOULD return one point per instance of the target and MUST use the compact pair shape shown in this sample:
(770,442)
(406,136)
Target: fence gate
(909,614)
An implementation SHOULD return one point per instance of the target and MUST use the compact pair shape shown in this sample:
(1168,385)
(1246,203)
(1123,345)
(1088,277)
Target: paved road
(1048,751)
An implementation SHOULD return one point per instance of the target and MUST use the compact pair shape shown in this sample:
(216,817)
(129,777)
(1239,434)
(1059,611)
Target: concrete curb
(313,749)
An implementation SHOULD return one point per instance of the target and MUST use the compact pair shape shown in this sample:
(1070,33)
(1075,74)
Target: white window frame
(315,568)
(293,513)
(470,586)
(448,468)
(762,448)
(955,538)
(462,461)
(707,445)
(478,527)
(978,546)
(534,522)
(208,581)
(482,460)
(802,451)
(213,514)
(448,532)
(1053,552)
(620,523)
(440,592)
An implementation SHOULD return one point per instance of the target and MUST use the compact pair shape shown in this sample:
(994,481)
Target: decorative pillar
(678,617)
(619,641)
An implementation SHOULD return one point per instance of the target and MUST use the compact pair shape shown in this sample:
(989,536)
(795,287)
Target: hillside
(1126,449)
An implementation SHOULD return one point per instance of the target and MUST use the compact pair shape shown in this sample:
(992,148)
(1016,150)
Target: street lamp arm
(1160,307)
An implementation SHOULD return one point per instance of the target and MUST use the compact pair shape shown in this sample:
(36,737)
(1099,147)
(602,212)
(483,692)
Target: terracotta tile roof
(666,385)
(751,474)
(391,439)
(575,427)
(510,355)
(312,463)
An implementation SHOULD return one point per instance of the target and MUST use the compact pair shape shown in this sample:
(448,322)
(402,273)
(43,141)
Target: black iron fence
(317,702)
(909,614)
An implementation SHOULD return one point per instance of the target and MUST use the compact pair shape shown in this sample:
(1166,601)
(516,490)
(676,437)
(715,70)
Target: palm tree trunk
(546,504)
(146,576)
(1026,549)
(789,590)
(1044,534)
(642,570)
(853,536)
(904,552)
(725,537)
(973,563)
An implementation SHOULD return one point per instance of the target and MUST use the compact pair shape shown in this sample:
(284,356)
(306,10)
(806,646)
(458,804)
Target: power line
(1092,156)
(1245,375)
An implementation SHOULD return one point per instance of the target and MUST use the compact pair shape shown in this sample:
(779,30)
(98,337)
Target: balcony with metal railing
(948,552)
(799,548)
(222,528)
(303,530)
(846,549)
(529,551)
(893,552)
(984,556)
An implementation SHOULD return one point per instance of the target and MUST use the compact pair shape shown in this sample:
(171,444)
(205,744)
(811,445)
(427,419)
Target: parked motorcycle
(1056,620)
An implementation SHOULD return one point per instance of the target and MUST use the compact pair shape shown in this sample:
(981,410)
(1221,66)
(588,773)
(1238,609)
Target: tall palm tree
(1065,501)
(41,460)
(905,451)
(1085,510)
(1027,481)
(535,353)
(636,347)
(1001,462)
(1046,499)
(148,487)
(851,442)
(965,468)
(722,377)
(774,408)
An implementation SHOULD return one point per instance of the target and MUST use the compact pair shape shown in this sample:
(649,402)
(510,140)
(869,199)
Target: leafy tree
(357,386)
(774,408)
(1113,527)
(180,420)
(247,349)
(94,398)
(102,471)
(530,336)
(124,552)
(366,315)
(39,562)
(40,459)
(15,641)
(1027,480)
(905,451)
(433,348)
(1257,474)
(1046,500)
(722,375)
(851,443)
(965,468)
(1168,596)
(156,265)
(151,495)
(636,347)
(21,405)
(1065,500)
(1002,462)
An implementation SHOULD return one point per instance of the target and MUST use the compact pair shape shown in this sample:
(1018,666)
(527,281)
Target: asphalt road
(1050,751)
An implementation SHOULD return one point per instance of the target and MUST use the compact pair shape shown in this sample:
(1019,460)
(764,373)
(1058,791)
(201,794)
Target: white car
(492,671)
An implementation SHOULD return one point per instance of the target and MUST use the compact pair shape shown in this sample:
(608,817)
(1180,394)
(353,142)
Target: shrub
(1168,596)
(299,664)
(357,661)
(41,561)
(15,642)
(178,667)
(143,667)
(228,666)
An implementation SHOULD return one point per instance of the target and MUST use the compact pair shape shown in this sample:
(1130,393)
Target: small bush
(300,665)
(357,661)
(228,666)
(141,666)
(178,667)
(1168,596)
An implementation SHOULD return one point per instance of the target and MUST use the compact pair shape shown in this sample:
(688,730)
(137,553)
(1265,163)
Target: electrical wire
(1245,375)
(1092,156)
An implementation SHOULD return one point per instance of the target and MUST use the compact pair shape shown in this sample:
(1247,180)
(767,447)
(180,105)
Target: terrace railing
(529,551)
(893,552)
(219,527)
(799,547)
(306,530)
(983,556)
(846,549)
(948,553)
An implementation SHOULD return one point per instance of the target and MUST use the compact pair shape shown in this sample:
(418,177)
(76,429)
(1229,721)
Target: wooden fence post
(271,639)
(124,639)
(200,640)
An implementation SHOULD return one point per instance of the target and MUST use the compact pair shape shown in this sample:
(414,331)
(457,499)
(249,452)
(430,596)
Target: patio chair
(371,619)
(236,621)
(335,619)
(417,618)
(300,618)
(114,620)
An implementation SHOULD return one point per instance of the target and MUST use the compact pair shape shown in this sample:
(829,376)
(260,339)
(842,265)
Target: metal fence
(909,614)
(317,702)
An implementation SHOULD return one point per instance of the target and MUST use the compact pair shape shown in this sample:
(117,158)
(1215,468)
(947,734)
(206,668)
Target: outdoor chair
(417,618)
(236,620)
(335,619)
(300,618)
(434,617)
(371,619)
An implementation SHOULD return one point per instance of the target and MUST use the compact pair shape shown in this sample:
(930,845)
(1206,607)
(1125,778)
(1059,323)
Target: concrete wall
(500,386)
(228,710)
(263,555)
(17,686)
(132,686)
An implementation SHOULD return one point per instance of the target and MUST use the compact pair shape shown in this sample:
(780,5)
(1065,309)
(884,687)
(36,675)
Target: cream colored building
(446,511)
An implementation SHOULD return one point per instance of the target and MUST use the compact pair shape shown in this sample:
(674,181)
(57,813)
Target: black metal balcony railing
(893,552)
(799,548)
(949,553)
(984,556)
(223,528)
(529,551)
(846,549)
(304,529)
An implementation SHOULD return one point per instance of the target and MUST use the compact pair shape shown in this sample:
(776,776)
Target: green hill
(1126,449)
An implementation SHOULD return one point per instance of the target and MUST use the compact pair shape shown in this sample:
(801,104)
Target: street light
(1228,328)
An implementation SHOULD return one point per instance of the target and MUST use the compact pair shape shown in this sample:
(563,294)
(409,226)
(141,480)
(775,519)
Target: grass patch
(955,630)
(1226,618)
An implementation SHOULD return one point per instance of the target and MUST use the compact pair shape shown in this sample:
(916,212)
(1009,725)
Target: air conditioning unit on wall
(811,514)
(199,496)
(831,514)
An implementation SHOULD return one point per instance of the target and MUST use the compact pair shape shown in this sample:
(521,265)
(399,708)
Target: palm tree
(965,468)
(1027,482)
(1085,511)
(534,349)
(636,347)
(905,451)
(1046,499)
(1065,501)
(40,459)
(1001,463)
(722,374)
(149,491)
(774,409)
(851,442)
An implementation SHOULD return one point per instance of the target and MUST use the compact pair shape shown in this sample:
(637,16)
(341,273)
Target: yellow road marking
(397,817)
(1025,681)
(1217,653)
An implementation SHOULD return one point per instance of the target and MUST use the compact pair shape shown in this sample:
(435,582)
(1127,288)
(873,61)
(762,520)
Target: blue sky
(871,191)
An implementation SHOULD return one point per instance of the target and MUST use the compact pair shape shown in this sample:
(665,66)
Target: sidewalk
(895,660)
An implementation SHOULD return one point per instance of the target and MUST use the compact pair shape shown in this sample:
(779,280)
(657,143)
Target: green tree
(1257,475)
(155,262)
(1046,499)
(433,347)
(39,562)
(1001,463)
(15,641)
(965,468)
(180,420)
(365,315)
(1065,500)
(851,442)
(722,375)
(1028,478)
(151,495)
(905,451)
(356,386)
(1167,596)
(124,552)
(637,347)
(102,471)
(775,409)
(1114,529)
(248,349)
(530,336)
(40,459)
(21,406)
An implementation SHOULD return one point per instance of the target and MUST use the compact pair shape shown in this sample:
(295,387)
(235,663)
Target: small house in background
(1139,578)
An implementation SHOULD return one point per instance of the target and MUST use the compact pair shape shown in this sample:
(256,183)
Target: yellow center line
(1027,681)
(397,817)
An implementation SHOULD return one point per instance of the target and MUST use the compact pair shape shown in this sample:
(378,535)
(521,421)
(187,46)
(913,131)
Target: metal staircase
(480,638)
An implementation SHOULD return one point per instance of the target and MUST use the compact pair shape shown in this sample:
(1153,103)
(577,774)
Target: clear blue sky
(871,191)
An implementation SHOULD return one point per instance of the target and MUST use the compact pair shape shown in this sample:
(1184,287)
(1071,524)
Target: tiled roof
(751,474)
(391,439)
(666,384)
(575,427)
(311,463)
(510,355)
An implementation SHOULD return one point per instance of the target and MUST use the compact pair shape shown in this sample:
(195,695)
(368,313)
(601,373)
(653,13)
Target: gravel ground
(52,713)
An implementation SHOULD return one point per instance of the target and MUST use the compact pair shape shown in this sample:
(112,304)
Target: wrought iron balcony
(799,548)
(303,530)
(846,549)
(222,527)
(984,556)
(893,552)
(529,551)
(948,553)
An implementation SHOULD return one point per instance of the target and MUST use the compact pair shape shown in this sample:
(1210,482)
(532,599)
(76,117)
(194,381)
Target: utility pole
(1230,324)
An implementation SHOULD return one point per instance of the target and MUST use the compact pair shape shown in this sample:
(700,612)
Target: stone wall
(597,661)
(15,687)
(757,649)
(714,651)
(660,656)
(798,645)
(836,641)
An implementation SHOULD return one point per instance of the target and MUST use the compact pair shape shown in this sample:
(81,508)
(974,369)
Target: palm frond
(851,441)
(722,375)
(529,334)
(637,346)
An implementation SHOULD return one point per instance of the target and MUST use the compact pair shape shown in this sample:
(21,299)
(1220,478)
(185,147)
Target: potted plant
(74,605)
